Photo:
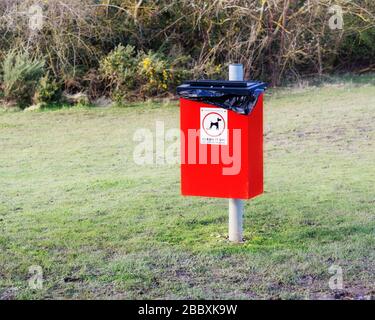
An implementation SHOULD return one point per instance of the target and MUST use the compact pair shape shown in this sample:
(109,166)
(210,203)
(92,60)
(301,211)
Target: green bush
(358,49)
(119,68)
(21,75)
(155,72)
(128,72)
(48,91)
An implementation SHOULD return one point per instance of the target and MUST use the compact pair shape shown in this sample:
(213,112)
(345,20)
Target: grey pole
(236,206)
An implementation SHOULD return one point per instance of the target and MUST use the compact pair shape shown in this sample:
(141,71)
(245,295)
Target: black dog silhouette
(215,124)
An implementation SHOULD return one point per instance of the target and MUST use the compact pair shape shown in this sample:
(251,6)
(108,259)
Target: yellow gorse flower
(147,63)
(165,75)
(218,68)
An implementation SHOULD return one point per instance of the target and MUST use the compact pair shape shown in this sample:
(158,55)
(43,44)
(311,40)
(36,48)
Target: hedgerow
(276,40)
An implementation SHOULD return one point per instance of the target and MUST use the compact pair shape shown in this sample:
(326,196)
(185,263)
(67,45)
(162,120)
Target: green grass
(73,202)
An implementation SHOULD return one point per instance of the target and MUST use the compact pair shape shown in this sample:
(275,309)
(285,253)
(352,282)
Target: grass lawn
(73,202)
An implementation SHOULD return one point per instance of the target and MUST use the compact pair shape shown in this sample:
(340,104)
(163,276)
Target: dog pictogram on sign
(214,126)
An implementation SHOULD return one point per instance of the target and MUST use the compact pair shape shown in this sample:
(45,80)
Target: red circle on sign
(220,131)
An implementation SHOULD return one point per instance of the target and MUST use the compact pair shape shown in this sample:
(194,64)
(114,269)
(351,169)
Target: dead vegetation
(276,40)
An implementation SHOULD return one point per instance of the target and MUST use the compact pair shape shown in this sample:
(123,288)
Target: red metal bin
(222,138)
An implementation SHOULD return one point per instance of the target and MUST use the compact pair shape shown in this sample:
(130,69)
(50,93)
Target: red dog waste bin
(222,138)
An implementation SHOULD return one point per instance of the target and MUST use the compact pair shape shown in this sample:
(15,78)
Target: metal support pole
(236,220)
(236,206)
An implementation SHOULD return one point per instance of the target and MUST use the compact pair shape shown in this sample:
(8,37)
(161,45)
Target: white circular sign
(214,124)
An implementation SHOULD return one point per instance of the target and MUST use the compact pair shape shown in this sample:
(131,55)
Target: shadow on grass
(296,227)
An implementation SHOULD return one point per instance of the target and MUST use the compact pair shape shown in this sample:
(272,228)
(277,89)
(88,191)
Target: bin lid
(237,88)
